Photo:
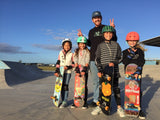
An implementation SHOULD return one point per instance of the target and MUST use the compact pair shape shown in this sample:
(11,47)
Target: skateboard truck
(54,97)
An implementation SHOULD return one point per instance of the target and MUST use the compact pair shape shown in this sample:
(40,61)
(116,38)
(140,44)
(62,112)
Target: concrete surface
(29,98)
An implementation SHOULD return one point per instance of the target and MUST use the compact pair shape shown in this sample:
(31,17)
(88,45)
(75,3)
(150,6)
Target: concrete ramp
(3,84)
(19,73)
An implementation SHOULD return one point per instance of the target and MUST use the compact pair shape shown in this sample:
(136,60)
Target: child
(65,59)
(82,57)
(108,54)
(134,54)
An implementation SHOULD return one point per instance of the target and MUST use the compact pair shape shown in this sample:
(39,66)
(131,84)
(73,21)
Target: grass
(47,68)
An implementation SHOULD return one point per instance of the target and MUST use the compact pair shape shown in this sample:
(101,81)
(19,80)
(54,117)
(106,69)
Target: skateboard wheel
(106,108)
(109,78)
(52,97)
(98,103)
(127,75)
(126,106)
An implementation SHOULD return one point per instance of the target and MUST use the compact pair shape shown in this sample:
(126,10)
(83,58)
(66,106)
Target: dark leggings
(86,87)
(116,90)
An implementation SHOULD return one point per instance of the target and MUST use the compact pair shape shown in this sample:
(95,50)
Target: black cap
(96,14)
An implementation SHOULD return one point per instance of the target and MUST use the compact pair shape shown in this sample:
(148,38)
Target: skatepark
(25,95)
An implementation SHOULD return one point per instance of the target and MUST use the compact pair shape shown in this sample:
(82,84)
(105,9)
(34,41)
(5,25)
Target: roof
(152,42)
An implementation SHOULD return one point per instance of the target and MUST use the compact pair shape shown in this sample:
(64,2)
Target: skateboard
(132,91)
(105,91)
(58,87)
(79,89)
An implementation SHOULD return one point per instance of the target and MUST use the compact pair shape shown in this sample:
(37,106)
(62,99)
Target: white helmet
(66,40)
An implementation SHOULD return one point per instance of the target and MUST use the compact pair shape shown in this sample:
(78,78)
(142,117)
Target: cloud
(61,34)
(52,47)
(48,47)
(6,48)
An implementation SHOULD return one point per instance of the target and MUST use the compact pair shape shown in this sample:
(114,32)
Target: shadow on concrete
(150,86)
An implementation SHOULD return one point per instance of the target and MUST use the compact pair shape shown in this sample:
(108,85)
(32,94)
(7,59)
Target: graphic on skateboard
(105,90)
(79,89)
(58,87)
(132,91)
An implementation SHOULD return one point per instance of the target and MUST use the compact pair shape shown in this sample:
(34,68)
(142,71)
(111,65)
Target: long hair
(77,51)
(138,45)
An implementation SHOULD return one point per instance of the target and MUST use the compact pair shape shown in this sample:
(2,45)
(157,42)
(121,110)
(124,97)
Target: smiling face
(81,46)
(97,21)
(66,46)
(132,43)
(108,35)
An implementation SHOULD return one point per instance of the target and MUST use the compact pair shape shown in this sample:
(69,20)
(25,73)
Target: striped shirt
(108,52)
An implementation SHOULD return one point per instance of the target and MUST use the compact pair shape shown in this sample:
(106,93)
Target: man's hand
(112,23)
(79,33)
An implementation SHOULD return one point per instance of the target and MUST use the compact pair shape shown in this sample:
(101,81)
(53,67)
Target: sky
(32,30)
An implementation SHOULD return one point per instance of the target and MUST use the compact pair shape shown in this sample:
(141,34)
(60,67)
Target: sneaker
(120,112)
(73,106)
(64,104)
(85,106)
(141,115)
(93,104)
(96,111)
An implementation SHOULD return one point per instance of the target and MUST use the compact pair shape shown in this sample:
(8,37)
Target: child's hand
(99,74)
(77,74)
(79,33)
(65,68)
(111,64)
(112,23)
(56,74)
(136,76)
(82,73)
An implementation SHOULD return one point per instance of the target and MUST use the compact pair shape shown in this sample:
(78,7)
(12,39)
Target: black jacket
(137,59)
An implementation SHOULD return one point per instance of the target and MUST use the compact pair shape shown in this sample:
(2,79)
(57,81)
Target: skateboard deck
(58,87)
(105,91)
(79,89)
(132,91)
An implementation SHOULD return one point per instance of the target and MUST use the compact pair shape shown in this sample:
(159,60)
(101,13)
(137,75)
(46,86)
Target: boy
(109,54)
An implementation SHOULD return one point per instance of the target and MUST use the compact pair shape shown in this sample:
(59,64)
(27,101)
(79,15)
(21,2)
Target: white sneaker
(120,112)
(64,104)
(96,111)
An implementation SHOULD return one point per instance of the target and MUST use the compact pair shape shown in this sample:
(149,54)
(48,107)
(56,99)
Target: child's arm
(98,62)
(70,66)
(57,71)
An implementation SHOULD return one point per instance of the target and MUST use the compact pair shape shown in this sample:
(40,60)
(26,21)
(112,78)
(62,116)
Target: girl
(134,54)
(65,59)
(82,57)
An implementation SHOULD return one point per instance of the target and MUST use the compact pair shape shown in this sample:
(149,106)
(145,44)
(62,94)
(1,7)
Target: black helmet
(96,14)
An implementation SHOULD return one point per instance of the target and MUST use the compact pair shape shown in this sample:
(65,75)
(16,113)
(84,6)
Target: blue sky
(32,30)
